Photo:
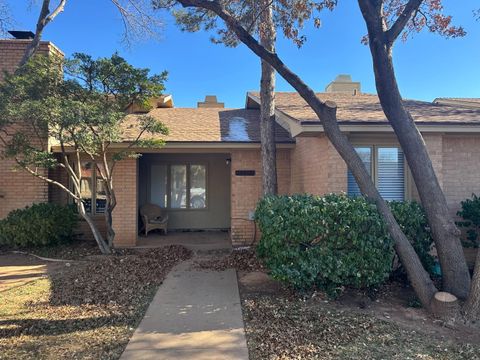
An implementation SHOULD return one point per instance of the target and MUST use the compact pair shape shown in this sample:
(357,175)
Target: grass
(88,310)
(31,328)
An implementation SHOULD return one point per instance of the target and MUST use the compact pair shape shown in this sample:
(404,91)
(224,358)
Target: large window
(179,186)
(92,188)
(386,166)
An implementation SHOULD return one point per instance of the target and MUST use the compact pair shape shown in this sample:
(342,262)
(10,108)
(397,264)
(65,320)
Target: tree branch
(396,29)
(44,19)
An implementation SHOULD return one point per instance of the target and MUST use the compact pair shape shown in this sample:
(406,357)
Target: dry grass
(87,310)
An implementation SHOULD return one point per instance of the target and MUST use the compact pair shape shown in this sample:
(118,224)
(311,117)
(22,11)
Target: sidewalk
(194,315)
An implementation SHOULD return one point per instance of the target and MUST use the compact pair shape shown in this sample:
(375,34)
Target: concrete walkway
(194,315)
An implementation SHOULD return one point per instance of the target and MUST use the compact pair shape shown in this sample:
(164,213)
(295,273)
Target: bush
(330,241)
(470,212)
(38,225)
(413,222)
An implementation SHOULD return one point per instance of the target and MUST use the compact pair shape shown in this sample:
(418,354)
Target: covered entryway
(193,188)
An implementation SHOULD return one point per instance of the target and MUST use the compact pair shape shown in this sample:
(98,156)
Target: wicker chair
(153,217)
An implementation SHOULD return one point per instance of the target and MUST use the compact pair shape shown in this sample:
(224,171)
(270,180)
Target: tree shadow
(42,327)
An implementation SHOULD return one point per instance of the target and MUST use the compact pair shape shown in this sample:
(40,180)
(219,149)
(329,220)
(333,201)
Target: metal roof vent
(22,35)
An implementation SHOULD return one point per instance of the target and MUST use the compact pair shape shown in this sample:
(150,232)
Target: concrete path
(194,315)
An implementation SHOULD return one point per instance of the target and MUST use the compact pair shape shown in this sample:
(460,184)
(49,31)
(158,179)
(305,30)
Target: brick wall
(125,215)
(247,190)
(12,50)
(316,167)
(17,187)
(461,168)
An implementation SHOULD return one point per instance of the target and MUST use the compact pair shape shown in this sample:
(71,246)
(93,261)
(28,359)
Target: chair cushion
(157,221)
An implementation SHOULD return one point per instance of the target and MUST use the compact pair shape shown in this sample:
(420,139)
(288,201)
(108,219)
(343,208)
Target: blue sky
(427,66)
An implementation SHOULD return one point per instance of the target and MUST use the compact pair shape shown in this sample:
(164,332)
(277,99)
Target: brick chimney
(343,84)
(12,50)
(210,102)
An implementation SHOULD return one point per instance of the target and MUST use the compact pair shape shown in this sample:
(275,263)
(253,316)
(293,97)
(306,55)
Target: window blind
(365,154)
(390,173)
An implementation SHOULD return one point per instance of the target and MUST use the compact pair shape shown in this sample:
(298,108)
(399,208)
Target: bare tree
(138,20)
(5,18)
(44,18)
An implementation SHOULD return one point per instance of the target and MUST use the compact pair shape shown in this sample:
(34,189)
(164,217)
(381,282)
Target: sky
(427,66)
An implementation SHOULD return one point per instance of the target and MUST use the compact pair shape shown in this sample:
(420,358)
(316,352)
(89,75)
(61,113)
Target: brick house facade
(225,143)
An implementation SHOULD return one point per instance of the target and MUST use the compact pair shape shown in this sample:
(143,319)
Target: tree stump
(445,305)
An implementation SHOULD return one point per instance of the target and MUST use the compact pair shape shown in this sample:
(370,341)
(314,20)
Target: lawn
(86,309)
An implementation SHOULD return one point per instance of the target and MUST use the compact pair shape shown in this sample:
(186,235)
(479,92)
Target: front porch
(193,240)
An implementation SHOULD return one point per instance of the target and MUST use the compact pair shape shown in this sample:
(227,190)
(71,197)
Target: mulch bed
(87,310)
(241,260)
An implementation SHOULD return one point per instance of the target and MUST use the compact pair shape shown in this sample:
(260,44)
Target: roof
(208,125)
(366,109)
(462,102)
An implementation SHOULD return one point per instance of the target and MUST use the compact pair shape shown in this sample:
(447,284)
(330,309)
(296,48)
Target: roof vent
(22,35)
(210,102)
(343,84)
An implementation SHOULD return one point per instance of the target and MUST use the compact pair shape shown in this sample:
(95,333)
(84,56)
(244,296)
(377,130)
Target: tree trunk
(44,18)
(456,278)
(267,99)
(472,306)
(110,206)
(104,249)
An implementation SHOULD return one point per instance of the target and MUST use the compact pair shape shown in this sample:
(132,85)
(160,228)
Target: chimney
(210,102)
(12,50)
(343,84)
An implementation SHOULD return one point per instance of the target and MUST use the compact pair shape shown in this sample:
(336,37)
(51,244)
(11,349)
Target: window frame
(374,164)
(94,194)
(188,165)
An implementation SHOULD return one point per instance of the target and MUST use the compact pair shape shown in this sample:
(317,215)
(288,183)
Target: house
(208,176)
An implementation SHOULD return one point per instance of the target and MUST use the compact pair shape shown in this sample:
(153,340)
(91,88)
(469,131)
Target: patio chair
(153,217)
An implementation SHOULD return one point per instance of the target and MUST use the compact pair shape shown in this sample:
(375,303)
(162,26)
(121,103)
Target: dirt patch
(88,310)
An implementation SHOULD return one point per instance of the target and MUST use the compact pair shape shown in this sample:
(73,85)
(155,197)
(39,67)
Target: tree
(406,21)
(257,16)
(386,21)
(44,18)
(83,113)
(138,21)
(5,18)
(267,34)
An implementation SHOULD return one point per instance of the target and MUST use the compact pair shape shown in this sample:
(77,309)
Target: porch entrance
(193,189)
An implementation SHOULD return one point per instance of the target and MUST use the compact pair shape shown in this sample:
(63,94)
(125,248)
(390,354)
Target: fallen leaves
(86,310)
(281,327)
(241,260)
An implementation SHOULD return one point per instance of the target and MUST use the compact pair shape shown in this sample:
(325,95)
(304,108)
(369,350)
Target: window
(386,167)
(92,188)
(179,186)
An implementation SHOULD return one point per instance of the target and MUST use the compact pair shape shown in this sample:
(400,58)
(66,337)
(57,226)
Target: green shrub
(413,222)
(38,225)
(329,241)
(470,212)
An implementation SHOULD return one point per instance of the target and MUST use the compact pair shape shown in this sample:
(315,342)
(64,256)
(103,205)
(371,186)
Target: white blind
(390,173)
(365,154)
